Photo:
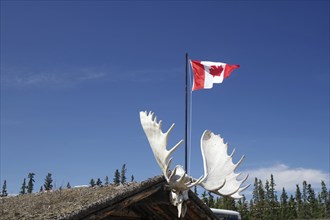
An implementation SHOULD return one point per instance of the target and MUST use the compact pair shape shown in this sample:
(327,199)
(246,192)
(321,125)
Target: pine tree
(68,186)
(305,205)
(304,192)
(324,200)
(242,208)
(106,180)
(261,205)
(123,174)
(240,203)
(92,182)
(204,198)
(251,209)
(48,182)
(274,204)
(255,193)
(116,179)
(255,201)
(299,203)
(211,200)
(284,205)
(268,203)
(312,202)
(267,191)
(4,189)
(23,187)
(30,183)
(228,203)
(320,205)
(292,213)
(99,182)
(258,197)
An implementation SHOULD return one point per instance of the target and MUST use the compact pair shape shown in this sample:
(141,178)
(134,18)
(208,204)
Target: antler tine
(243,180)
(237,194)
(167,168)
(232,153)
(170,129)
(169,162)
(194,183)
(239,162)
(244,188)
(174,148)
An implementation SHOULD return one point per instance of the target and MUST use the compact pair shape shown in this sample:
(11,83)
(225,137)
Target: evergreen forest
(266,202)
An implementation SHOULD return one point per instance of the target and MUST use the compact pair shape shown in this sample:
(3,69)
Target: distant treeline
(29,182)
(265,204)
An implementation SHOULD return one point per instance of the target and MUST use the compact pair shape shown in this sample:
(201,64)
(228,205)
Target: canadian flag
(206,73)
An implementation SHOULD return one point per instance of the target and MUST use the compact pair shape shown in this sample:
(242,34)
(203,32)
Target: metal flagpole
(186,118)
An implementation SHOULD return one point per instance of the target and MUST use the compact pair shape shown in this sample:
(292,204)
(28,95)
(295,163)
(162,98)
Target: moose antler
(158,141)
(219,167)
(219,176)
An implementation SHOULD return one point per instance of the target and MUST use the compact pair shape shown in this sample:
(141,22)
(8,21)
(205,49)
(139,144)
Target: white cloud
(288,177)
(30,78)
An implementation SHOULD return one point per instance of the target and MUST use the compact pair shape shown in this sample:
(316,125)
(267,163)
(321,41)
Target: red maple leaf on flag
(216,70)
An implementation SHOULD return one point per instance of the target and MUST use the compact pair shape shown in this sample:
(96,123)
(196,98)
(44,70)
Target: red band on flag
(199,75)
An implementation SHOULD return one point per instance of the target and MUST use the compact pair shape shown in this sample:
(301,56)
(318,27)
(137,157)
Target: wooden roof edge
(130,191)
(152,184)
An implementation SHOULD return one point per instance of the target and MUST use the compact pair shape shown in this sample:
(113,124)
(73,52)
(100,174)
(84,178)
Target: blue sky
(75,74)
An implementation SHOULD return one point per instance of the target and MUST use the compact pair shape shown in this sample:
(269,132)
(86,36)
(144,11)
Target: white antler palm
(219,167)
